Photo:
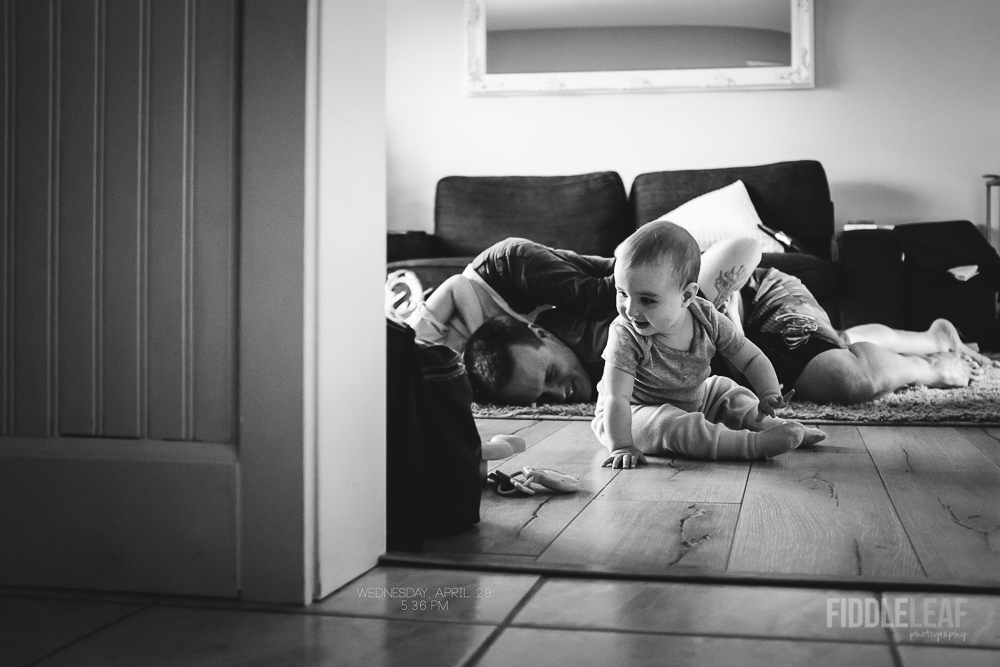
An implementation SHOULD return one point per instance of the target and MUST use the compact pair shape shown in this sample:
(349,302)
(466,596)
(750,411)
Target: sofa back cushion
(588,213)
(792,197)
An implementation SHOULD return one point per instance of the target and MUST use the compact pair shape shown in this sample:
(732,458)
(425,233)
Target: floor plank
(643,535)
(526,525)
(986,440)
(840,439)
(823,514)
(821,511)
(532,432)
(491,427)
(945,491)
(682,480)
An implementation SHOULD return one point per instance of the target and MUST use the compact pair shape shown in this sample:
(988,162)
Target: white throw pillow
(726,213)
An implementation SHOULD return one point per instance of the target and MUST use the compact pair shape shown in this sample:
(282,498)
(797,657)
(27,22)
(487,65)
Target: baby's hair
(662,243)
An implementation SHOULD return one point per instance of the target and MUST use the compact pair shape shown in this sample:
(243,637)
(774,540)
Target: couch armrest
(869,277)
(412,245)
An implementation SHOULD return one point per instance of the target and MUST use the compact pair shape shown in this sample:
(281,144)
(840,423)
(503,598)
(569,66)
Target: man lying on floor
(556,358)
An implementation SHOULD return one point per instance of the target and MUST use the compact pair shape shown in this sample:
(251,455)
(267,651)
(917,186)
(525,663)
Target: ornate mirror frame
(800,74)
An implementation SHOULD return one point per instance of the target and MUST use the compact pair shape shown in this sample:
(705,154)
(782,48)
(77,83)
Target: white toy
(503,446)
(500,447)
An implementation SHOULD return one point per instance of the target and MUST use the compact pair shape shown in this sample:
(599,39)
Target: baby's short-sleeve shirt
(663,374)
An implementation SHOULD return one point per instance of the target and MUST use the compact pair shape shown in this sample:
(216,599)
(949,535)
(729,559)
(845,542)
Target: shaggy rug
(979,403)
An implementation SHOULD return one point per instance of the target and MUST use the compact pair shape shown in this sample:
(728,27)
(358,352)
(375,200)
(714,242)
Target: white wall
(905,115)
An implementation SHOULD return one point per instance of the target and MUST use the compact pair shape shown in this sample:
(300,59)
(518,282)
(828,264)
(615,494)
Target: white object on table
(965,272)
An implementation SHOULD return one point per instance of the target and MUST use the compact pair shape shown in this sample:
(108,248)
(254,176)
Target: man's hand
(626,457)
(768,405)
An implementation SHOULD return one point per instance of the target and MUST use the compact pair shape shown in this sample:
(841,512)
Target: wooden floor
(869,504)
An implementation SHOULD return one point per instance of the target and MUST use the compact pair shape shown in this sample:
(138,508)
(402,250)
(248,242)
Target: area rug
(979,404)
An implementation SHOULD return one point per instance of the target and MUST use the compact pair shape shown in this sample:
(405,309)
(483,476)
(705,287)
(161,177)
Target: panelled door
(119,428)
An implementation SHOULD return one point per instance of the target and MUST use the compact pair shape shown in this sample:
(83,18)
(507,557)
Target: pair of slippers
(521,482)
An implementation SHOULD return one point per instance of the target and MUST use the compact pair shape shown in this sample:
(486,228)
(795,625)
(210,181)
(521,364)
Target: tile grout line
(398,559)
(509,618)
(303,611)
(706,635)
(478,654)
(84,637)
(897,659)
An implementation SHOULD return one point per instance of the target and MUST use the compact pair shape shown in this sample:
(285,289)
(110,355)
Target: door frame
(312,270)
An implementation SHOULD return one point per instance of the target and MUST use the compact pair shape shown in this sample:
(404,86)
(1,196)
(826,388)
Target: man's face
(550,373)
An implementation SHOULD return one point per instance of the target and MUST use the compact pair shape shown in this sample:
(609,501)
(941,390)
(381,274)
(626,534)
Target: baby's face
(651,297)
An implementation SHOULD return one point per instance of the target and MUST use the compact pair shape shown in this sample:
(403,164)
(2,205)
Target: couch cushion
(587,214)
(720,215)
(793,197)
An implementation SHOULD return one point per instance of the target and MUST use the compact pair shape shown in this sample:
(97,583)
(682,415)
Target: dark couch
(859,276)
(790,197)
(588,214)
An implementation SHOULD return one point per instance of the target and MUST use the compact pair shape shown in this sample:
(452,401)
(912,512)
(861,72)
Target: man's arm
(725,269)
(528,275)
(454,298)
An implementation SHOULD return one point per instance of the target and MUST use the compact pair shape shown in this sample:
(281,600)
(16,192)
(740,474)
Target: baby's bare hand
(769,405)
(626,457)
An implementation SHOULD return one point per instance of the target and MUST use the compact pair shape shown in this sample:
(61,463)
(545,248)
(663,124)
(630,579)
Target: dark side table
(930,291)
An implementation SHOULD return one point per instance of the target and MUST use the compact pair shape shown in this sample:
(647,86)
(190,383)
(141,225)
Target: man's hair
(488,358)
(662,243)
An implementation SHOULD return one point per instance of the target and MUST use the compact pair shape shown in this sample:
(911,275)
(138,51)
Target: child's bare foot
(948,340)
(950,370)
(812,435)
(780,439)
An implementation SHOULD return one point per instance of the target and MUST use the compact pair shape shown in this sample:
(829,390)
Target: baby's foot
(780,439)
(812,435)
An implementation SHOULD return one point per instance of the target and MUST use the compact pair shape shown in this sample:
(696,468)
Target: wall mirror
(590,46)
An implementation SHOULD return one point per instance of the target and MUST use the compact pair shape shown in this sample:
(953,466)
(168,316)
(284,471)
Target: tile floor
(415,616)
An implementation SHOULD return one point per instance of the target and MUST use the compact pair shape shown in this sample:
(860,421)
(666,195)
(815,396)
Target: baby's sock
(779,439)
(812,436)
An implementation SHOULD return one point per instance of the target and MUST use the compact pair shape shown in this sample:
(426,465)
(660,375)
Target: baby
(656,396)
